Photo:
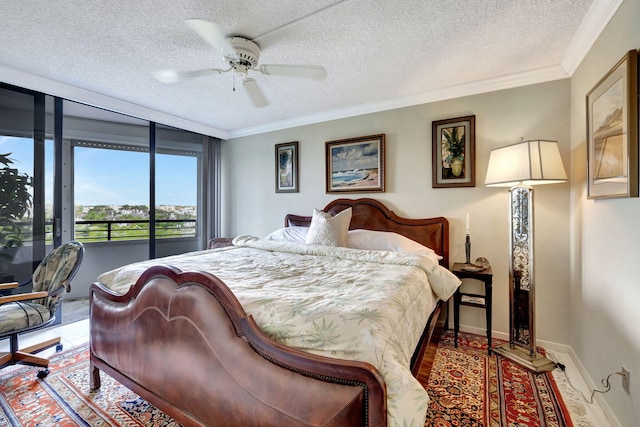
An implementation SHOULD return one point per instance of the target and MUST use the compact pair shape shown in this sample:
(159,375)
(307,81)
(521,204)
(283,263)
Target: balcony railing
(133,229)
(121,229)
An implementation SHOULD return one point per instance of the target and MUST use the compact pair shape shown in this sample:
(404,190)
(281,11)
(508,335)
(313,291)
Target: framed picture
(612,132)
(287,167)
(355,164)
(454,152)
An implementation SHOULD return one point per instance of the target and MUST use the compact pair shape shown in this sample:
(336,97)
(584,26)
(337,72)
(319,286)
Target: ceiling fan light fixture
(240,68)
(242,55)
(242,50)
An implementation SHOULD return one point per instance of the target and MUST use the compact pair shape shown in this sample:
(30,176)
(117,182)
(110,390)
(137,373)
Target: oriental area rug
(469,388)
(466,387)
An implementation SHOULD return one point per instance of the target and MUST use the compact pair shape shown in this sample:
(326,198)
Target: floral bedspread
(332,301)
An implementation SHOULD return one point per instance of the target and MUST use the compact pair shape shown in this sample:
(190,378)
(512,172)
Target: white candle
(468,227)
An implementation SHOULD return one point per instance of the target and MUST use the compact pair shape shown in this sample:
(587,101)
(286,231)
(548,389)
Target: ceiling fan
(242,55)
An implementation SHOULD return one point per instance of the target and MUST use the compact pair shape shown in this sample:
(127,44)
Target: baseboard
(480,331)
(608,413)
(560,348)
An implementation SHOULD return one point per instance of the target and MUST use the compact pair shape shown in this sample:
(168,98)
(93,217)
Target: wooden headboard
(371,214)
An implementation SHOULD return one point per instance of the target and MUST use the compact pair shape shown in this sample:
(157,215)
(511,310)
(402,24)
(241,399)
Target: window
(19,152)
(23,181)
(111,193)
(112,180)
(89,164)
(176,196)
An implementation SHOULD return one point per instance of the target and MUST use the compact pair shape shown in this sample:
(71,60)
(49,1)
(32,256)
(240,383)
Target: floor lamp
(519,167)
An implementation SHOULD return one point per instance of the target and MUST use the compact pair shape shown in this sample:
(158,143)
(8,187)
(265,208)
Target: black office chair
(27,312)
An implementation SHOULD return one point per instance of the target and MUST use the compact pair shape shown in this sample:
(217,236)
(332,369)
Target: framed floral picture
(612,132)
(454,152)
(287,167)
(355,164)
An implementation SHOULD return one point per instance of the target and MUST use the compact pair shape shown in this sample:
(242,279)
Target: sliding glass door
(127,188)
(135,183)
(26,160)
(178,185)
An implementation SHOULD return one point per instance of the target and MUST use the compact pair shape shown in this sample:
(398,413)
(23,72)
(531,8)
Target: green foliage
(162,214)
(133,212)
(99,213)
(455,139)
(15,205)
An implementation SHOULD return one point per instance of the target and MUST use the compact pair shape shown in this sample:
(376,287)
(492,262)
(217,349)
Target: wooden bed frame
(183,342)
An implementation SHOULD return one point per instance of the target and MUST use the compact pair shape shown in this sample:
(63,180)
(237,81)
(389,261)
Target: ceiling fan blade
(304,71)
(255,93)
(211,33)
(172,76)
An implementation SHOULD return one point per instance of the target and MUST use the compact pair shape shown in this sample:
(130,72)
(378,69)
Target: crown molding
(594,23)
(483,86)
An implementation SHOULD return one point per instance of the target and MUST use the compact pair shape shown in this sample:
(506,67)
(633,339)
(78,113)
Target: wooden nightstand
(472,300)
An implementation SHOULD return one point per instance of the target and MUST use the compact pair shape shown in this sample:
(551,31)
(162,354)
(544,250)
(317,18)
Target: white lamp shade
(527,162)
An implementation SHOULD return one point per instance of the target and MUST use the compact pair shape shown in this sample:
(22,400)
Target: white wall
(539,111)
(605,289)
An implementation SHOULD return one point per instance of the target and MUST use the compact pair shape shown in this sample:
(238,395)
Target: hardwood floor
(429,355)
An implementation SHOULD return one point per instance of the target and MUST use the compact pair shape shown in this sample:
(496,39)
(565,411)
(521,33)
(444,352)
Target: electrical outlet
(625,379)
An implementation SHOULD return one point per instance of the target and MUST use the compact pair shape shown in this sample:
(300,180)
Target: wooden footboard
(183,342)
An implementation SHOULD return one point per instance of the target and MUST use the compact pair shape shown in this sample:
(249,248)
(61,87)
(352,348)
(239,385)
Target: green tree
(15,206)
(132,212)
(163,214)
(100,213)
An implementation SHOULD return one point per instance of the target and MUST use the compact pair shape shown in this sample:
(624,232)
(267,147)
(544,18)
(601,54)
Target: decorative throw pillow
(329,230)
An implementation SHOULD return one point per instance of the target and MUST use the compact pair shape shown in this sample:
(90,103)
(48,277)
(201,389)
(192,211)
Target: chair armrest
(9,285)
(23,297)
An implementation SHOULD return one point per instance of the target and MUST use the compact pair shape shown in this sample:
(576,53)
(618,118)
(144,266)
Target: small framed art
(454,152)
(287,167)
(355,164)
(612,132)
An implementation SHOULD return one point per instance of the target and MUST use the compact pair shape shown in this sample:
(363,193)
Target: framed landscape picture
(612,132)
(287,167)
(355,164)
(453,152)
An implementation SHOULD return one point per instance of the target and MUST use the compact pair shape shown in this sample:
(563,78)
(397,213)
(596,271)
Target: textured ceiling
(379,54)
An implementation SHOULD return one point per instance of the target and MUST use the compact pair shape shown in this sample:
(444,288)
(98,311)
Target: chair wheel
(59,348)
(43,373)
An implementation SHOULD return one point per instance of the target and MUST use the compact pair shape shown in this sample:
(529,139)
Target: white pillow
(387,241)
(329,230)
(361,239)
(289,234)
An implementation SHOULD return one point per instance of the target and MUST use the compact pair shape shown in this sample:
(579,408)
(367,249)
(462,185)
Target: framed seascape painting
(612,132)
(454,152)
(287,167)
(355,164)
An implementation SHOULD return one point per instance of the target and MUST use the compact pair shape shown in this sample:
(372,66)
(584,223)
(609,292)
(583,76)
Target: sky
(110,177)
(358,155)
